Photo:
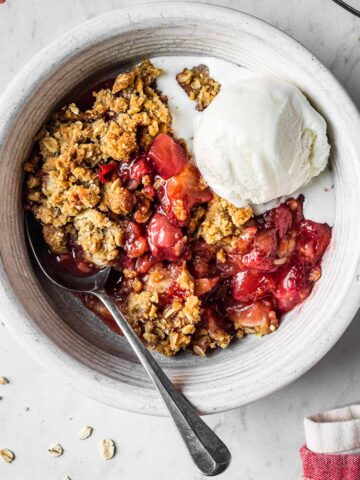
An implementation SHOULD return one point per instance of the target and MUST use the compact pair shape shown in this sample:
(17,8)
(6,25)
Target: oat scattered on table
(7,455)
(107,448)
(56,450)
(85,432)
(3,381)
(198,85)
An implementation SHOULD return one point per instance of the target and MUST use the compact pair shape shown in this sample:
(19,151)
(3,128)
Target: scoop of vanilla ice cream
(258,140)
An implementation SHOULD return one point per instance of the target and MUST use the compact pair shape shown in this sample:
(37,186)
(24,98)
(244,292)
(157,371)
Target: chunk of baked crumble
(117,198)
(56,238)
(222,220)
(98,236)
(198,85)
(139,112)
(166,311)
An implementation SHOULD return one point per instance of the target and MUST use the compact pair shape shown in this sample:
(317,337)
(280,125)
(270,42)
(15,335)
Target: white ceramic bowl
(75,345)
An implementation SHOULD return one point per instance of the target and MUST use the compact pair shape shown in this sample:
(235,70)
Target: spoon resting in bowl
(209,453)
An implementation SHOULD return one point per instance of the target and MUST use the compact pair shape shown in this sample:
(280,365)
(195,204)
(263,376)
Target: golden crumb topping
(98,236)
(198,85)
(56,238)
(223,220)
(165,330)
(62,182)
(117,198)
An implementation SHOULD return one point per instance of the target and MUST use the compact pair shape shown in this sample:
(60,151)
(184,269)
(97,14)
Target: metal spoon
(348,7)
(209,453)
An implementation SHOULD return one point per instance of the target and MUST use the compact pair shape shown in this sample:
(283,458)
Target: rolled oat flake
(85,432)
(56,450)
(107,448)
(7,455)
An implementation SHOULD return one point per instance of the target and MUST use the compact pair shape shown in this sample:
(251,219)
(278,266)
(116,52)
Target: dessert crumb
(198,85)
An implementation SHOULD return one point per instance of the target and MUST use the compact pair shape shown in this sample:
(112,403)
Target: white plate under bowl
(72,343)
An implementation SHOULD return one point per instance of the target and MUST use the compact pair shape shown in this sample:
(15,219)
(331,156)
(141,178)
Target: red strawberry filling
(259,317)
(141,167)
(313,241)
(248,285)
(105,171)
(262,254)
(181,193)
(168,157)
(136,243)
(166,241)
(293,286)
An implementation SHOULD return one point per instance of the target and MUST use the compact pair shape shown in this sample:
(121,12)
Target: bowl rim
(25,331)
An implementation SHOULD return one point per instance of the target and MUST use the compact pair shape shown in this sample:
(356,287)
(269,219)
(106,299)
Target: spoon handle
(209,453)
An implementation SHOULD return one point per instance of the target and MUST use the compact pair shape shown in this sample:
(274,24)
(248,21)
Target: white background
(264,437)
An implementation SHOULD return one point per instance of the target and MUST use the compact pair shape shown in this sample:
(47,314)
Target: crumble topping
(56,238)
(198,85)
(98,236)
(223,219)
(117,198)
(168,329)
(74,142)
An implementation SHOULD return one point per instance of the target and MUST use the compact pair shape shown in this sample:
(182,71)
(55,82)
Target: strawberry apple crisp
(113,186)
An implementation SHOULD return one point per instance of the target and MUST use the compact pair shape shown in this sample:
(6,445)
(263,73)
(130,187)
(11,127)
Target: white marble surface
(264,437)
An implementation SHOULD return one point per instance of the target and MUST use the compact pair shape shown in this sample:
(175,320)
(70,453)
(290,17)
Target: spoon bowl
(83,284)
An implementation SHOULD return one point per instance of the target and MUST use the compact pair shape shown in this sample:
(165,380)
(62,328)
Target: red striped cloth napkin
(332,450)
